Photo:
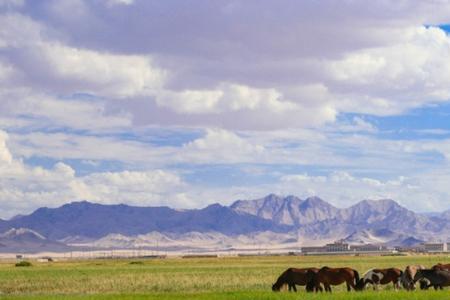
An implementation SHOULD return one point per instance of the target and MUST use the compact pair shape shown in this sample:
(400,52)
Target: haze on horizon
(188,103)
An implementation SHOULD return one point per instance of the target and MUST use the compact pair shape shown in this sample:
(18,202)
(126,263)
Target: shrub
(23,263)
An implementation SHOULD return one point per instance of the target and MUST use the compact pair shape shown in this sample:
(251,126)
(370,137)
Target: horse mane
(367,272)
(356,276)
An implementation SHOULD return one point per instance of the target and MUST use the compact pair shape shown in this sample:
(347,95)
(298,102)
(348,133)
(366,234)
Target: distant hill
(316,218)
(91,220)
(269,220)
(289,210)
(26,240)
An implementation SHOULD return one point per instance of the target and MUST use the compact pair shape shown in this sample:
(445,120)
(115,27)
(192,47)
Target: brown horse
(334,276)
(292,277)
(443,267)
(407,278)
(380,276)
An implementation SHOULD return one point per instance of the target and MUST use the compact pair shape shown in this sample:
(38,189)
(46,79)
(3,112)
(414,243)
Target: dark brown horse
(376,277)
(334,276)
(443,267)
(437,278)
(292,277)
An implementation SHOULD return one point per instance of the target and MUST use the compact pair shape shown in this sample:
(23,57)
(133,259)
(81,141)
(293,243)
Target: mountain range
(272,221)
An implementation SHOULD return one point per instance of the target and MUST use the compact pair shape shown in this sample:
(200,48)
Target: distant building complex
(436,247)
(342,247)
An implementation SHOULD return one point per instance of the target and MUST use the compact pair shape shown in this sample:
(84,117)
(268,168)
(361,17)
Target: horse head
(360,285)
(419,275)
(276,287)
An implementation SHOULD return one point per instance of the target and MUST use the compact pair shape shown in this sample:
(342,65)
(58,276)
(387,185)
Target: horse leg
(294,288)
(351,284)
(318,287)
(327,287)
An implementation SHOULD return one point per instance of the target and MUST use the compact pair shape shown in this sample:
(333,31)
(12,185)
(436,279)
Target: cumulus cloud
(416,192)
(5,155)
(40,111)
(24,188)
(106,74)
(119,2)
(398,77)
(228,97)
(220,146)
(271,86)
(49,65)
(380,60)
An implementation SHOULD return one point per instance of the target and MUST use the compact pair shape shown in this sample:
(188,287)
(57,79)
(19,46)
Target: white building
(435,247)
(337,247)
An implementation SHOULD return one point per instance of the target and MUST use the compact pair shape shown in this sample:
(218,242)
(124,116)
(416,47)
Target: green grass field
(205,278)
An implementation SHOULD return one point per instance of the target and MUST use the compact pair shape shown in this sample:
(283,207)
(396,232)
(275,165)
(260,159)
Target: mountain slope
(289,218)
(287,211)
(317,219)
(26,240)
(90,220)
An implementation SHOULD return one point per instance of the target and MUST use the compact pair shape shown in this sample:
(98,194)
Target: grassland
(176,278)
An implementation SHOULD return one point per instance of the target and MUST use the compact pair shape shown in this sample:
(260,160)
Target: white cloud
(226,98)
(24,188)
(45,111)
(119,2)
(156,187)
(391,79)
(220,146)
(104,148)
(5,155)
(103,73)
(190,101)
(343,189)
(234,69)
(6,71)
(47,64)
(392,67)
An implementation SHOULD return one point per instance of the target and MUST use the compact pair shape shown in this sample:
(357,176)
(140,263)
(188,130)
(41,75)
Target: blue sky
(134,102)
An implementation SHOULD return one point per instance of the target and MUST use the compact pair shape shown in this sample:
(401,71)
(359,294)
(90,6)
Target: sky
(188,103)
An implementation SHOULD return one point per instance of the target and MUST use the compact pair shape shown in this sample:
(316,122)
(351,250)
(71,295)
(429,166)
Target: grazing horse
(436,278)
(292,277)
(443,267)
(380,276)
(334,276)
(407,278)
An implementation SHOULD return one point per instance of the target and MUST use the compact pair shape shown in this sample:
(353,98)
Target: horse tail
(356,277)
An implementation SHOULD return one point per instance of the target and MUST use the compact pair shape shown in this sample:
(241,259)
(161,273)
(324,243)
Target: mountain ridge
(283,218)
